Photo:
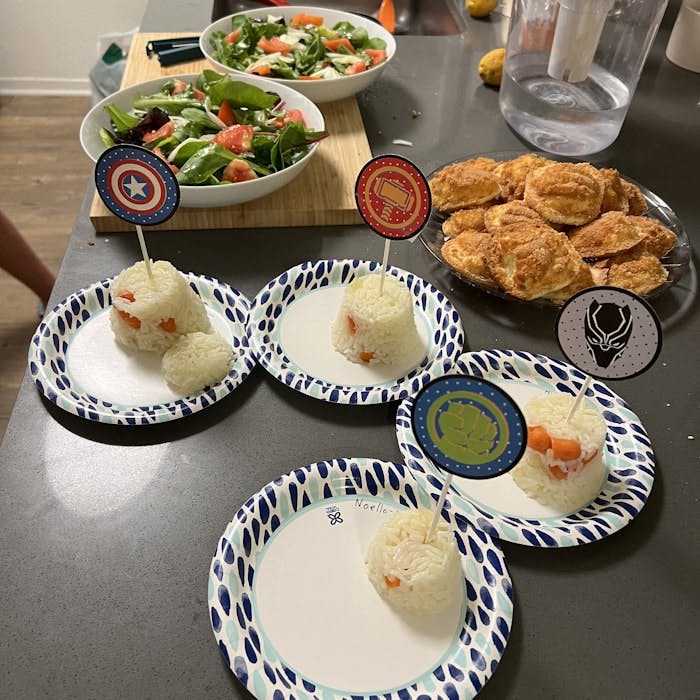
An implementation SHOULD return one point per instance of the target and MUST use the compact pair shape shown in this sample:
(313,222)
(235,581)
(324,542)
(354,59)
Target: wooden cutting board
(323,194)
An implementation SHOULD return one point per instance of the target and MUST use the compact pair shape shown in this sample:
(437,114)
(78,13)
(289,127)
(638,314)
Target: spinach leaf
(307,59)
(359,37)
(199,168)
(172,104)
(121,120)
(187,150)
(292,141)
(240,94)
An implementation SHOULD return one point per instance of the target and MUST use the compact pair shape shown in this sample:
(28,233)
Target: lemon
(491,66)
(480,8)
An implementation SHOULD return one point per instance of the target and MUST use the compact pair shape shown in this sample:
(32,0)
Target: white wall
(50,46)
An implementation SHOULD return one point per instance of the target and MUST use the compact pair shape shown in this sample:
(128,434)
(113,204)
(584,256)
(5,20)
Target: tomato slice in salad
(236,138)
(238,171)
(335,44)
(377,55)
(354,68)
(302,20)
(226,113)
(294,115)
(164,131)
(274,45)
(233,37)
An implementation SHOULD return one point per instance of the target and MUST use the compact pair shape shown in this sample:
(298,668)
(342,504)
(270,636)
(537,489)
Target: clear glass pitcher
(572,67)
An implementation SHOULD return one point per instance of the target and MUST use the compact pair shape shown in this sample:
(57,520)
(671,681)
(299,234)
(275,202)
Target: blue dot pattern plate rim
(445,343)
(477,649)
(629,455)
(49,347)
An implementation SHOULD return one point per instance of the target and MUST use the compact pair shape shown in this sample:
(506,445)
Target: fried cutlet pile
(542,229)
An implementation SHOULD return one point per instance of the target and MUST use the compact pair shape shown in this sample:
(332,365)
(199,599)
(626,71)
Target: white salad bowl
(208,195)
(324,90)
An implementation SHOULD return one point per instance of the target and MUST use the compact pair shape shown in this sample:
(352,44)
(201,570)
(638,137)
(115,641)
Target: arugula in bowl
(300,48)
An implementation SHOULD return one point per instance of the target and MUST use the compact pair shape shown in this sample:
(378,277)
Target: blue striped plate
(61,375)
(295,616)
(299,306)
(497,505)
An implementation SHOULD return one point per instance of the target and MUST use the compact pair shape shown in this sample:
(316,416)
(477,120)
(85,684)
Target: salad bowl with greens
(229,139)
(325,54)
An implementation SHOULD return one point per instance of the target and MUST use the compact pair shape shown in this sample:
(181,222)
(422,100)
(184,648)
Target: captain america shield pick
(136,185)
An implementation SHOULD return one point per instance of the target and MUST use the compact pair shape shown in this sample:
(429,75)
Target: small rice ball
(412,574)
(376,328)
(579,480)
(197,360)
(150,312)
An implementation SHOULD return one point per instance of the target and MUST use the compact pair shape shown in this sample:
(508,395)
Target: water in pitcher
(571,68)
(559,117)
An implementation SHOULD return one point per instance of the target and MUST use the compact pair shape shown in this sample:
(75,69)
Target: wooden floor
(43,177)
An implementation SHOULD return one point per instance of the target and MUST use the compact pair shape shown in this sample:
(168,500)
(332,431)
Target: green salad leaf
(312,49)
(184,123)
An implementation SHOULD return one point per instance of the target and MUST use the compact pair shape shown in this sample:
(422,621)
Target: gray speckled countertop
(107,533)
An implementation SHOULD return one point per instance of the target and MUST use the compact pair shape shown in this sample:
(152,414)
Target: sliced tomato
(274,45)
(165,130)
(354,68)
(262,69)
(301,20)
(226,114)
(238,171)
(179,86)
(233,37)
(377,55)
(294,115)
(236,138)
(162,155)
(335,44)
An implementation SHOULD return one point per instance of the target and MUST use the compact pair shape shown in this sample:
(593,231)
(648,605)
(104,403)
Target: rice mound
(427,573)
(166,299)
(197,360)
(376,328)
(583,482)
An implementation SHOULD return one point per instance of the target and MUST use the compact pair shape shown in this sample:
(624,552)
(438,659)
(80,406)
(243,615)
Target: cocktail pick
(467,426)
(609,333)
(393,198)
(138,187)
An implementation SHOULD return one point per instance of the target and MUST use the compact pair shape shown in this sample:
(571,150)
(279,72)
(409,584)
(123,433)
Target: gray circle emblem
(609,333)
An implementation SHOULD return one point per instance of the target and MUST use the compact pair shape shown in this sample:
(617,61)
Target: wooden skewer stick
(144,251)
(385,260)
(579,398)
(438,508)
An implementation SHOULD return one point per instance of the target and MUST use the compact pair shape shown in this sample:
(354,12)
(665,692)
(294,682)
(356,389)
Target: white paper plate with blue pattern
(498,506)
(77,365)
(295,615)
(290,329)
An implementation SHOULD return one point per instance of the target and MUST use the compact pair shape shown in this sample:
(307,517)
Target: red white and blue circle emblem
(136,185)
